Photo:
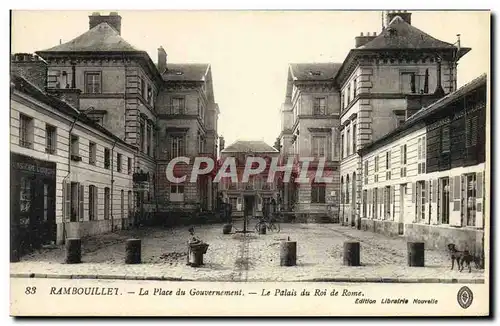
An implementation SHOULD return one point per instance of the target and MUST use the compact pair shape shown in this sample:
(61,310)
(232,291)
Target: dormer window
(315,73)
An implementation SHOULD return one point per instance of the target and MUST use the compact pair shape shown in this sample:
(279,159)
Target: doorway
(402,203)
(249,206)
(444,201)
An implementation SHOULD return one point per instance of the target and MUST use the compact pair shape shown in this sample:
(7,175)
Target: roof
(425,112)
(101,38)
(186,71)
(23,85)
(314,71)
(255,146)
(400,35)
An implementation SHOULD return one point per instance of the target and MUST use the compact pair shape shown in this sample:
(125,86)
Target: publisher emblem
(465,297)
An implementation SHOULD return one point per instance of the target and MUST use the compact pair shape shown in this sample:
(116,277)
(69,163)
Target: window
(93,82)
(376,163)
(355,88)
(177,146)
(129,165)
(75,150)
(148,140)
(375,202)
(348,140)
(342,145)
(319,146)
(177,193)
(469,202)
(342,190)
(107,158)
(348,94)
(319,106)
(366,172)
(471,131)
(107,201)
(354,141)
(412,83)
(443,208)
(153,142)
(347,186)
(178,105)
(92,153)
(150,96)
(142,87)
(365,202)
(403,161)
(92,203)
(318,193)
(26,131)
(342,104)
(25,195)
(50,139)
(118,162)
(387,202)
(130,203)
(142,131)
(421,198)
(122,203)
(445,139)
(73,194)
(387,160)
(421,155)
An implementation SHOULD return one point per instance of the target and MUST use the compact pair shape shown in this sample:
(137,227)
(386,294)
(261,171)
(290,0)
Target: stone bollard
(226,229)
(262,228)
(133,251)
(416,254)
(73,251)
(351,253)
(288,253)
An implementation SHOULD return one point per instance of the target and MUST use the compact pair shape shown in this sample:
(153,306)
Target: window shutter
(451,189)
(456,188)
(413,192)
(81,194)
(67,200)
(434,190)
(426,191)
(479,185)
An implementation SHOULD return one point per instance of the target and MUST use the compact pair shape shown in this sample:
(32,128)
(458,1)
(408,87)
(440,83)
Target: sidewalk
(243,258)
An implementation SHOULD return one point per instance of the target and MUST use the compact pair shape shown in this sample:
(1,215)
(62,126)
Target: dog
(462,257)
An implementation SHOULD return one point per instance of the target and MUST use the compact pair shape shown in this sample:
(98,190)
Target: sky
(249,51)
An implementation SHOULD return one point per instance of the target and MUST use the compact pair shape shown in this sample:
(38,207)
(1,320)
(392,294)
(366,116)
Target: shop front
(33,204)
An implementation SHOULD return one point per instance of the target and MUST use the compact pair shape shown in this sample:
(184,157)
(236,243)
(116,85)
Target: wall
(82,171)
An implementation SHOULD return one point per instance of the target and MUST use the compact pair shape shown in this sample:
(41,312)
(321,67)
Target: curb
(320,280)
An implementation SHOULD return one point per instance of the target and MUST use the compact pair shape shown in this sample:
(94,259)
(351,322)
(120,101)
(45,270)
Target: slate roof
(255,146)
(101,38)
(314,71)
(185,71)
(427,112)
(401,35)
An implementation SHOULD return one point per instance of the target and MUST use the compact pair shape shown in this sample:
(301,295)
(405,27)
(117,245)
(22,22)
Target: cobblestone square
(246,257)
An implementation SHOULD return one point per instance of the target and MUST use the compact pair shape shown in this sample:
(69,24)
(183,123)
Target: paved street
(250,257)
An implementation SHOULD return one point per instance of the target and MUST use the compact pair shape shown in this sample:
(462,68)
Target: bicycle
(271,225)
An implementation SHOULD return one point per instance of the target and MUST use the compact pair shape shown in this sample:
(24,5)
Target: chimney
(113,19)
(439,88)
(363,39)
(68,95)
(30,67)
(406,16)
(162,60)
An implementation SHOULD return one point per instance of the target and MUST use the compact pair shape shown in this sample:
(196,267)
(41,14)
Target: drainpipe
(112,185)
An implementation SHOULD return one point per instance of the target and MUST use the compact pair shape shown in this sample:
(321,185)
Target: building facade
(309,128)
(426,179)
(383,81)
(70,177)
(248,198)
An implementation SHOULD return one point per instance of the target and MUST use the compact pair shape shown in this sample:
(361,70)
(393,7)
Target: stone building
(70,177)
(162,109)
(248,198)
(309,128)
(383,81)
(425,180)
(187,120)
